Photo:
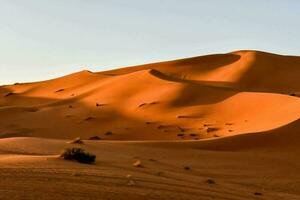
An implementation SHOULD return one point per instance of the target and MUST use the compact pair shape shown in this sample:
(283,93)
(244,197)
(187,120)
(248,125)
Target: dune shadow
(197,92)
(194,94)
(271,73)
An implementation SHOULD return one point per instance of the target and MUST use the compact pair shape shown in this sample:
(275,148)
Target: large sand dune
(230,117)
(235,93)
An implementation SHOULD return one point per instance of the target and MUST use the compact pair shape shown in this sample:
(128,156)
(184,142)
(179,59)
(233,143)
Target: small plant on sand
(79,155)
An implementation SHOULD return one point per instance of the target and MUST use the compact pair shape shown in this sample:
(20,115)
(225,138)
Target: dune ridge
(207,97)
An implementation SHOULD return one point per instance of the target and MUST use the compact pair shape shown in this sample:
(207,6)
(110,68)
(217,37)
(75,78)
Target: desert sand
(222,126)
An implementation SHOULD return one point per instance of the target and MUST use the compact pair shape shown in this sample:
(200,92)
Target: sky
(43,39)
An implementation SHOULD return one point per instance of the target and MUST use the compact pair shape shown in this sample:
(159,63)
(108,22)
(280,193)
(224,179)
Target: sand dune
(159,101)
(227,117)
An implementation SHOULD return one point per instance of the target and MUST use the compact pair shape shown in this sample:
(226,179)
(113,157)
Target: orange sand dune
(220,126)
(245,70)
(195,98)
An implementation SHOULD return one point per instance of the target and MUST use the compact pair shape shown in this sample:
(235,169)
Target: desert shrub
(79,155)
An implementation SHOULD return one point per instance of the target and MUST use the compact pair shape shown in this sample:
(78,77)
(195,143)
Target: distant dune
(195,98)
(232,117)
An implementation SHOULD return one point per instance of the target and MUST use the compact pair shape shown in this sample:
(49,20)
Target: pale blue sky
(42,39)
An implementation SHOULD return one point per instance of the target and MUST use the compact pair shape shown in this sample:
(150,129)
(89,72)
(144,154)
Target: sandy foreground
(221,126)
(30,169)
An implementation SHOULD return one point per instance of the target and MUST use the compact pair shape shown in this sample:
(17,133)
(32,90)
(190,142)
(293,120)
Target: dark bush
(79,155)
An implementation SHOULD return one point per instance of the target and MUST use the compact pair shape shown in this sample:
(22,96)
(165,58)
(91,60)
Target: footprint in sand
(108,133)
(145,104)
(137,163)
(60,90)
(94,138)
(100,104)
(9,94)
(148,123)
(89,118)
(141,105)
(77,140)
(210,181)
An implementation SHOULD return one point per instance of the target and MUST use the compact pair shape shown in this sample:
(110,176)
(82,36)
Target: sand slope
(235,93)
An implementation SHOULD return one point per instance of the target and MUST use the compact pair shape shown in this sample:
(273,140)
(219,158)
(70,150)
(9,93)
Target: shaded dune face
(189,99)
